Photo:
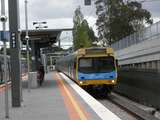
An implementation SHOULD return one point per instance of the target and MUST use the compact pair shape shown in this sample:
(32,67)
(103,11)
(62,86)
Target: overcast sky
(59,13)
(154,7)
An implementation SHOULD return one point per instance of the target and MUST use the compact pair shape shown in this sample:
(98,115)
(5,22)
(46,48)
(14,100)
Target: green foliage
(92,35)
(123,18)
(83,36)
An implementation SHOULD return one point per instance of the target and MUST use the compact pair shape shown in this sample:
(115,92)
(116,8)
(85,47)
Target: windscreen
(96,64)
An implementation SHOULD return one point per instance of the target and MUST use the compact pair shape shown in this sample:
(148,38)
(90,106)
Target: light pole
(27,41)
(3,19)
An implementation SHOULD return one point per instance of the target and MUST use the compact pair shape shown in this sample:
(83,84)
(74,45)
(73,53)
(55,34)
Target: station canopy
(43,37)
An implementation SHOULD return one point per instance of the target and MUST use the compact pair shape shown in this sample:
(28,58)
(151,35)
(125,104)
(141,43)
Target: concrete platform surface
(56,99)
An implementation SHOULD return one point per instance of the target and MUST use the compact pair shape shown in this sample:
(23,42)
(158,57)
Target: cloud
(60,23)
(39,10)
(51,9)
(59,13)
(92,23)
(156,19)
(153,7)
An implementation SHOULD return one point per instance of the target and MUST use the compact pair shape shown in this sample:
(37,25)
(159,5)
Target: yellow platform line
(76,106)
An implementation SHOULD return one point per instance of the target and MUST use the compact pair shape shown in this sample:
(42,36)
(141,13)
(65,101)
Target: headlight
(81,82)
(113,81)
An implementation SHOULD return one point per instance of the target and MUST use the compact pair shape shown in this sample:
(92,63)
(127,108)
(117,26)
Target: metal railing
(151,32)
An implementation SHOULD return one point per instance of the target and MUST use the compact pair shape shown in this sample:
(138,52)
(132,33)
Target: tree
(92,35)
(82,38)
(122,19)
(83,35)
(78,17)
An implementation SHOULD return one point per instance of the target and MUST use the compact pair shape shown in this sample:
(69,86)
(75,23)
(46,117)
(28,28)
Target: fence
(151,32)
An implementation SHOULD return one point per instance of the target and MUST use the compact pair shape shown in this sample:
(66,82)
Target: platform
(58,99)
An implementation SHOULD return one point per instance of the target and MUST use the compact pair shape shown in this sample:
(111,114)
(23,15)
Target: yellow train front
(90,67)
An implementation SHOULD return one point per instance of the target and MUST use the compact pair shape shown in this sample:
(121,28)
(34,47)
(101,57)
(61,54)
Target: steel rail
(131,108)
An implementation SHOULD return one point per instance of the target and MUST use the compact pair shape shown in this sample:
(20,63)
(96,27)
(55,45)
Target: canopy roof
(43,37)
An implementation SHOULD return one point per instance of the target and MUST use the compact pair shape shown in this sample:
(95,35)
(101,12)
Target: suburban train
(88,67)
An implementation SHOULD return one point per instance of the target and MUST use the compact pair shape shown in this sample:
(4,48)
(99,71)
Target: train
(89,67)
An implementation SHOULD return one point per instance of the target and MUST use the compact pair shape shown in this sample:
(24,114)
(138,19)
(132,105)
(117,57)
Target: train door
(69,69)
(74,69)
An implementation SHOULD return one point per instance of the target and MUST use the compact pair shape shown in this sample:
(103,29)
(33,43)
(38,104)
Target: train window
(85,62)
(96,64)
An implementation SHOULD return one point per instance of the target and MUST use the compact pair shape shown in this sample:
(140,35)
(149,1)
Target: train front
(97,67)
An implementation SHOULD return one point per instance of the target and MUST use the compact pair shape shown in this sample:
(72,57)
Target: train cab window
(96,64)
(85,63)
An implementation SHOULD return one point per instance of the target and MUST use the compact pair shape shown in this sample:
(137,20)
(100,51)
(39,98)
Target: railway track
(131,108)
(124,104)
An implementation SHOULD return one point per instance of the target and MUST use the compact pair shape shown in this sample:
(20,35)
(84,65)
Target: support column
(59,43)
(37,55)
(154,65)
(33,53)
(44,62)
(147,65)
(143,66)
(14,27)
(158,66)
